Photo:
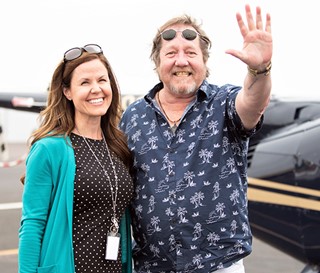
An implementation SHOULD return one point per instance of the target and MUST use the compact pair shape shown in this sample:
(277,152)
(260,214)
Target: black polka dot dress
(92,209)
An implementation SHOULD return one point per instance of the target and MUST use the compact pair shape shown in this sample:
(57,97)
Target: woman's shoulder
(54,140)
(55,144)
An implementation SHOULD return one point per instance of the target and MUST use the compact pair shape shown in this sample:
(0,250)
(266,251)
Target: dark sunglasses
(170,34)
(76,52)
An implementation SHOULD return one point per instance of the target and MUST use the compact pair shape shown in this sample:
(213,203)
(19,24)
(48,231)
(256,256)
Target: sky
(36,33)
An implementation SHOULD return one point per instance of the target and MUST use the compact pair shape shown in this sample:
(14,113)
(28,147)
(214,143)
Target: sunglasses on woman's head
(76,52)
(170,34)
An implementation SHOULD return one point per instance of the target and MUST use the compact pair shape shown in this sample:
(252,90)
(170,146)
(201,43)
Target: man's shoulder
(134,107)
(214,90)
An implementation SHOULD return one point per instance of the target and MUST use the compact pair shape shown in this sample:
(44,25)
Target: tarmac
(264,258)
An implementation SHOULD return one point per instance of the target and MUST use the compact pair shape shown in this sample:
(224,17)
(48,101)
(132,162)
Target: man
(190,139)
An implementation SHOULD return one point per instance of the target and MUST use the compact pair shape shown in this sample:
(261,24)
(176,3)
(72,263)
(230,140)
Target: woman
(77,183)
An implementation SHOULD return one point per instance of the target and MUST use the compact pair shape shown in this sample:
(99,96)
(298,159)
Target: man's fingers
(268,23)
(251,24)
(243,28)
(259,23)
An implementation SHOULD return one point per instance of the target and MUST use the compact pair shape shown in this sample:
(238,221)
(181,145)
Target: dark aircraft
(284,180)
(30,102)
(283,169)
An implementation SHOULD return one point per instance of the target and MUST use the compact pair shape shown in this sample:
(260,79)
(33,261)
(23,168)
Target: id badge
(112,246)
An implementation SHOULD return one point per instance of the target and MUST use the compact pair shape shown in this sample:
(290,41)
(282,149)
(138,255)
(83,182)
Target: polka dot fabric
(92,210)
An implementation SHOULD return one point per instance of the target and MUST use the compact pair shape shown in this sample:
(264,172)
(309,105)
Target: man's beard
(184,90)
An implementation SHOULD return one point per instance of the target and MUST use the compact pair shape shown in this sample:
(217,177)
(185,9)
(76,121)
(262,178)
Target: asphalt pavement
(264,258)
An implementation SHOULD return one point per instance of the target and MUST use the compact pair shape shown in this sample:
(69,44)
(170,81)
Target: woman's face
(90,90)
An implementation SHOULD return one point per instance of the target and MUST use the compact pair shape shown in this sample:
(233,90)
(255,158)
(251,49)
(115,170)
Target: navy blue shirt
(190,205)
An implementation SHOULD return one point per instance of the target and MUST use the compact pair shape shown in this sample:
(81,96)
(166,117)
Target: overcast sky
(36,33)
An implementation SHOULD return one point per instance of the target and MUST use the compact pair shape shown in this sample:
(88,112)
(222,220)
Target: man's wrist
(256,72)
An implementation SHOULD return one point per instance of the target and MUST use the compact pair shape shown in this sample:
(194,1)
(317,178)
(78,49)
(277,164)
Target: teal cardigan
(45,235)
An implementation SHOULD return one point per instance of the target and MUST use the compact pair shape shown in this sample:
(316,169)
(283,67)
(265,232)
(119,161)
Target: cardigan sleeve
(36,201)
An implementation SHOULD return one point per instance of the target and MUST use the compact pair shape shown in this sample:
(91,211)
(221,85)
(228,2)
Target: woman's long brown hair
(58,116)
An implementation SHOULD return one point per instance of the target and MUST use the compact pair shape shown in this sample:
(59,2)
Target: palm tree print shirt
(190,206)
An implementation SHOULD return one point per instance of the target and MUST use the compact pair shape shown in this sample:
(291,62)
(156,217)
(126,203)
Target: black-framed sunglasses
(76,52)
(188,34)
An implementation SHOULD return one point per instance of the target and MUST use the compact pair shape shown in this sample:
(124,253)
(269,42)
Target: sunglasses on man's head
(170,34)
(76,52)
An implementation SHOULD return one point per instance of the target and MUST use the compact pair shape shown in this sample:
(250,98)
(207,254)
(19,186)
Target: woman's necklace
(114,190)
(175,126)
